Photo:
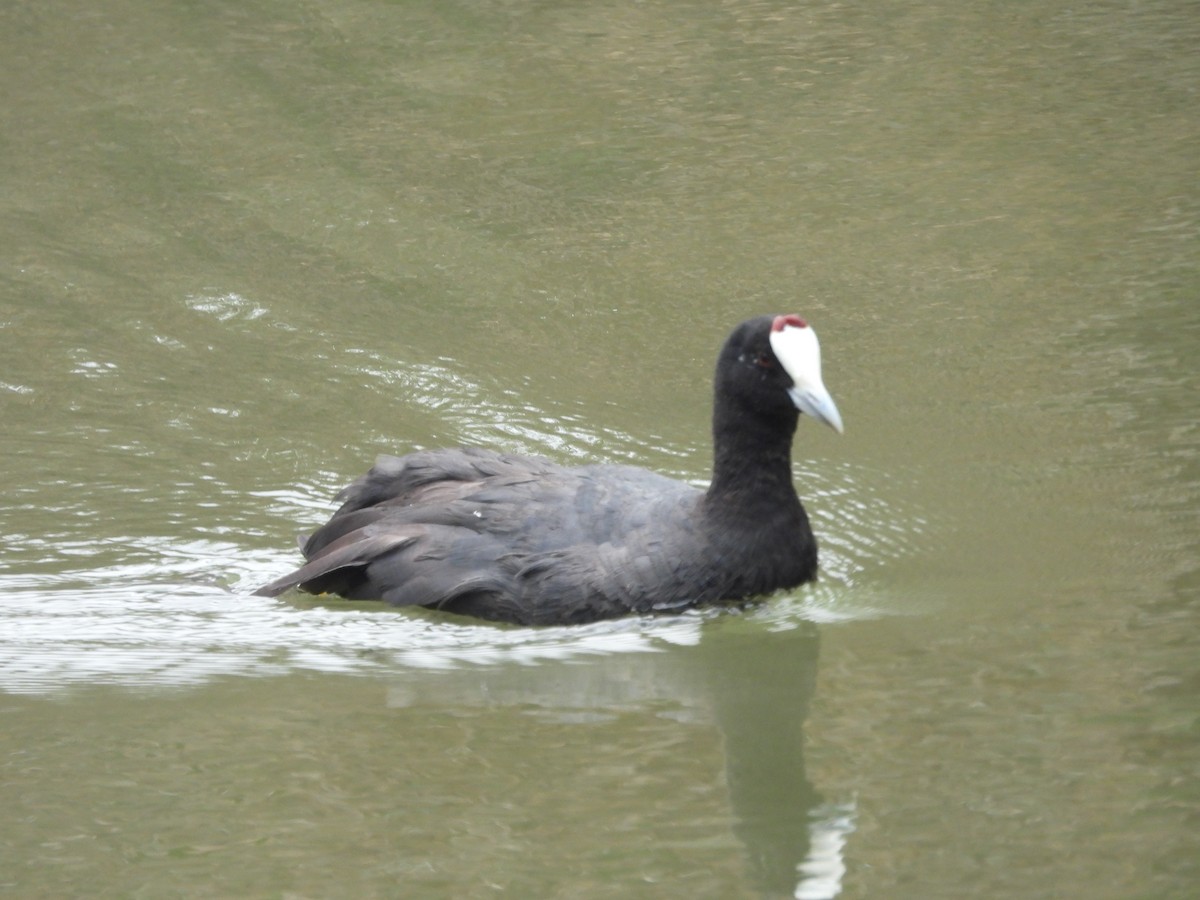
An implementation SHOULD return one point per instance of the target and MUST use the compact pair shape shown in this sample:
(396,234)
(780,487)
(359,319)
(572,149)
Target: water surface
(250,246)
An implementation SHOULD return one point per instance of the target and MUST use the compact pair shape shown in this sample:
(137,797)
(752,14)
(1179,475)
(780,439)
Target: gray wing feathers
(515,538)
(348,554)
(436,476)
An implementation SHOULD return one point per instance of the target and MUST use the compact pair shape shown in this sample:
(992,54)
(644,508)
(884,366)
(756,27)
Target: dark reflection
(760,686)
(754,683)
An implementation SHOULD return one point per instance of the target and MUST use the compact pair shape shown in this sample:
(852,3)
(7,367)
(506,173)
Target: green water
(246,247)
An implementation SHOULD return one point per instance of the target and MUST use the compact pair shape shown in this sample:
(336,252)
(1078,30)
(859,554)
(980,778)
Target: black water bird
(521,539)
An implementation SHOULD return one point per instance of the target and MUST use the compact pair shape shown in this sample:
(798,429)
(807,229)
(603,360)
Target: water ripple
(162,610)
(178,612)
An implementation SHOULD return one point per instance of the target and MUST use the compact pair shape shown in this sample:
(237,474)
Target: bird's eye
(763,359)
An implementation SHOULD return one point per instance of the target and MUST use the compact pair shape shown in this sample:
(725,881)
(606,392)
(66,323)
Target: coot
(521,539)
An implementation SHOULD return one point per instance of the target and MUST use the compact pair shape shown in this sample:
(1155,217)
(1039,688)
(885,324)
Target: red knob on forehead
(782,322)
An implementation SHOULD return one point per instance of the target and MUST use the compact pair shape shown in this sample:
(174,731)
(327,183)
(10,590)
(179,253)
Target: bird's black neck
(752,463)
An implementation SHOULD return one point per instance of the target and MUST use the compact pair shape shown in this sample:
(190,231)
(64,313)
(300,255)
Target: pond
(250,246)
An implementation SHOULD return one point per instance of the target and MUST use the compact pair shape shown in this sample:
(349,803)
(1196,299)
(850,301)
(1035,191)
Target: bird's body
(522,539)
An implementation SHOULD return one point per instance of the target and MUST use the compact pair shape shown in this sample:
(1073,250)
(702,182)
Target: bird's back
(510,538)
